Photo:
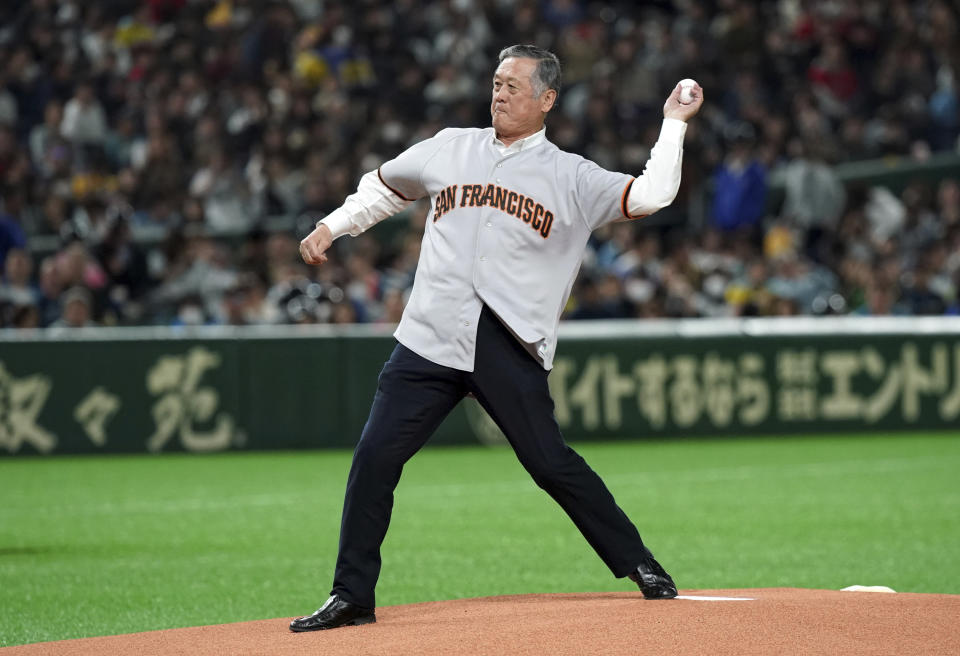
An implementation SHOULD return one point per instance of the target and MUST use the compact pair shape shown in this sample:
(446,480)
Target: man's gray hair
(547,73)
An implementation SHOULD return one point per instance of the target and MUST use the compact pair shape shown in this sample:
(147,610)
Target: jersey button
(498,180)
(466,323)
(489,225)
(499,166)
(483,258)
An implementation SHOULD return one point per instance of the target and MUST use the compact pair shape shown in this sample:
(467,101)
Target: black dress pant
(413,396)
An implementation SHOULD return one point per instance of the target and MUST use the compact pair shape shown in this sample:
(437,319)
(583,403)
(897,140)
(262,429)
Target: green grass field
(104,545)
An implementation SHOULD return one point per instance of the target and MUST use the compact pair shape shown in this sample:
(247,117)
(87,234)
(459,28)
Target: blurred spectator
(77,309)
(833,80)
(740,193)
(11,233)
(918,298)
(814,197)
(944,109)
(16,287)
(223,192)
(202,276)
(8,108)
(343,312)
(161,182)
(51,287)
(21,316)
(601,299)
(393,304)
(125,266)
(45,136)
(879,300)
(954,308)
(802,282)
(76,267)
(885,213)
(747,294)
(84,121)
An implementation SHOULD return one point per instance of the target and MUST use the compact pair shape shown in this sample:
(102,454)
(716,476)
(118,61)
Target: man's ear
(547,98)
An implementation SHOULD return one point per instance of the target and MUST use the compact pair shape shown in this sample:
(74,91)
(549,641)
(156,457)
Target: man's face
(514,109)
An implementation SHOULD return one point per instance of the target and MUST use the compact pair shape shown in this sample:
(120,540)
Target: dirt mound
(761,621)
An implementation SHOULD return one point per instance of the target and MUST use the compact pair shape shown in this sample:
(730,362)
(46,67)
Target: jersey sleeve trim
(623,202)
(379,175)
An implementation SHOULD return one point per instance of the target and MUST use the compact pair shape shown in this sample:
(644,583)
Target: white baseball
(686,89)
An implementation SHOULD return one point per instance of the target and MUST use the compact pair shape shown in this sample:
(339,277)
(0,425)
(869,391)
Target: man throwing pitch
(511,215)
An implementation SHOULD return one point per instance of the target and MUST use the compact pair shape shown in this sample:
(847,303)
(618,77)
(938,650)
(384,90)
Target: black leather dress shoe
(653,581)
(336,612)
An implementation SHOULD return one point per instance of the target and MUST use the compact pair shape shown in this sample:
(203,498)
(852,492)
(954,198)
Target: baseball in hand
(686,91)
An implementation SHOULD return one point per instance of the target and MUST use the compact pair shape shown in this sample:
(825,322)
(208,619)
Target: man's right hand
(673,108)
(314,245)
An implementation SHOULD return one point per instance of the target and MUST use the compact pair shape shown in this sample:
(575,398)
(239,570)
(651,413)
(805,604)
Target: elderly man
(511,215)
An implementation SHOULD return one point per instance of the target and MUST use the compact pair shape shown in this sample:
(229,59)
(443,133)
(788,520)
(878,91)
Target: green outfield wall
(212,389)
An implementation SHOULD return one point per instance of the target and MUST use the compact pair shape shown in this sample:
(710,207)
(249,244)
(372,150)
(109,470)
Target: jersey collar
(534,139)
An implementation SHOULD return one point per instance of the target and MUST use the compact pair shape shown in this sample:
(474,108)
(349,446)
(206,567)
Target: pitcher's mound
(735,622)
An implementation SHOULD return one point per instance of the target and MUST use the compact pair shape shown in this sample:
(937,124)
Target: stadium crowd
(148,147)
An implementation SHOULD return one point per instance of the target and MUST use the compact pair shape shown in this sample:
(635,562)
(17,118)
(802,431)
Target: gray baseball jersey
(507,231)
